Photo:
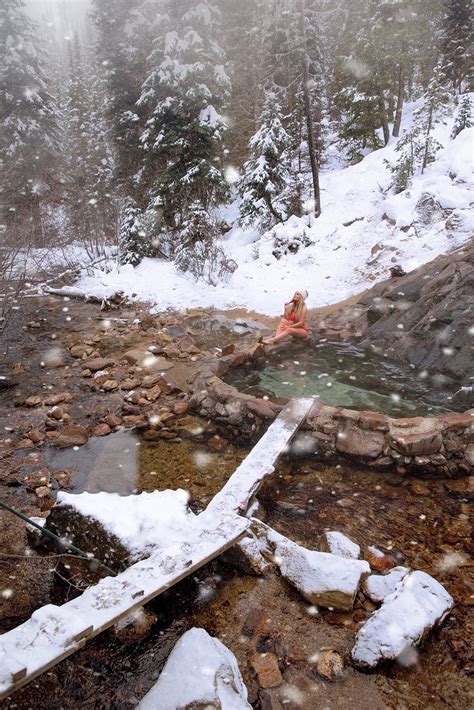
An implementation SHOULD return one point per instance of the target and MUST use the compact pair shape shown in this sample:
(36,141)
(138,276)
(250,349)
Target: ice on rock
(341,545)
(379,586)
(200,672)
(403,620)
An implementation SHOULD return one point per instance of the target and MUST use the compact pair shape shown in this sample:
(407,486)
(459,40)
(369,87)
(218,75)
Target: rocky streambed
(84,380)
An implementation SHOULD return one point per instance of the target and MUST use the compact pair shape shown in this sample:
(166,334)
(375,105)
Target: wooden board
(260,463)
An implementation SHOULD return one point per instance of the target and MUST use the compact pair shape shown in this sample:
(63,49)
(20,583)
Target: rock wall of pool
(439,444)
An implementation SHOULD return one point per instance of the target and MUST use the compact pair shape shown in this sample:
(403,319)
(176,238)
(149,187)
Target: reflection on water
(124,463)
(341,375)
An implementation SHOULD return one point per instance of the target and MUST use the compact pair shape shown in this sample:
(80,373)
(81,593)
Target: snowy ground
(362,230)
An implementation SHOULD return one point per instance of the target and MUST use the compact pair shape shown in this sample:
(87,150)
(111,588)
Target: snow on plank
(261,461)
(53,633)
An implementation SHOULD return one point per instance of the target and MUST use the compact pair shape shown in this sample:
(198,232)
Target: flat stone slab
(403,620)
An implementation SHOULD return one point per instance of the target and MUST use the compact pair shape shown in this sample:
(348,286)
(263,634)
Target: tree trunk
(427,143)
(309,127)
(273,211)
(384,119)
(398,110)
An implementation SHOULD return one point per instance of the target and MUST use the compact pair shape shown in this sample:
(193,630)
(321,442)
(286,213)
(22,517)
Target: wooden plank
(33,644)
(260,463)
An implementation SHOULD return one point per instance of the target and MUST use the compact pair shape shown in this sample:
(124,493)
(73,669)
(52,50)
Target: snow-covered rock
(379,586)
(200,672)
(324,579)
(403,620)
(341,545)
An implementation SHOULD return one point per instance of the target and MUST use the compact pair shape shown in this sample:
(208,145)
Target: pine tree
(463,117)
(264,177)
(457,42)
(417,147)
(133,242)
(29,140)
(183,139)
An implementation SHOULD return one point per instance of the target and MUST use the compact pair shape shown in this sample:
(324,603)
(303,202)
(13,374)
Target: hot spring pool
(341,375)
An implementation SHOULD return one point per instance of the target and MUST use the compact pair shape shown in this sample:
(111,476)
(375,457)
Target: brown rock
(408,422)
(101,429)
(132,419)
(52,434)
(463,487)
(469,454)
(63,477)
(53,362)
(129,384)
(113,420)
(72,436)
(33,401)
(86,373)
(37,479)
(180,407)
(53,399)
(135,626)
(153,394)
(419,444)
(80,350)
(110,385)
(380,563)
(56,413)
(329,665)
(167,384)
(98,363)
(261,408)
(43,492)
(36,436)
(373,421)
(256,352)
(351,440)
(217,443)
(419,488)
(227,349)
(100,377)
(267,670)
(18,368)
(454,421)
(254,623)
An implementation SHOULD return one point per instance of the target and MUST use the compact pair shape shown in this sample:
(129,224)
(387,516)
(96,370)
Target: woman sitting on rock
(293,323)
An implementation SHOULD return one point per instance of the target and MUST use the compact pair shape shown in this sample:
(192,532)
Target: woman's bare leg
(286,334)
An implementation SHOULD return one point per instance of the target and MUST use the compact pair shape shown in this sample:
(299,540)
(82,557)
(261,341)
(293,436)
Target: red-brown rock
(261,408)
(217,443)
(419,444)
(97,363)
(72,436)
(101,429)
(357,442)
(267,670)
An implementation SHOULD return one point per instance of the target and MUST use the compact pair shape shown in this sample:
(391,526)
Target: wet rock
(339,544)
(36,436)
(63,477)
(329,665)
(129,384)
(168,384)
(54,399)
(113,420)
(462,487)
(266,667)
(403,620)
(37,479)
(419,488)
(110,385)
(33,401)
(133,419)
(56,413)
(180,407)
(379,586)
(254,623)
(357,442)
(373,421)
(98,363)
(227,349)
(261,408)
(217,443)
(147,360)
(71,436)
(469,455)
(419,444)
(247,556)
(80,350)
(101,429)
(378,560)
(135,626)
(200,673)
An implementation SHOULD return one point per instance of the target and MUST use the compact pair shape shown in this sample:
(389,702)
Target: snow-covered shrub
(463,116)
(135,242)
(291,245)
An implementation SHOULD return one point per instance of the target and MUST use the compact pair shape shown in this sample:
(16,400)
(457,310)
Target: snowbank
(362,230)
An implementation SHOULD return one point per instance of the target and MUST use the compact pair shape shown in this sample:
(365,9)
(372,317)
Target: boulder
(379,586)
(341,545)
(419,444)
(357,442)
(200,673)
(71,436)
(404,619)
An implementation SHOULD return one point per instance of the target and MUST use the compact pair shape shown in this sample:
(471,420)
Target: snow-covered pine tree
(133,244)
(265,173)
(457,42)
(183,139)
(463,116)
(418,146)
(29,140)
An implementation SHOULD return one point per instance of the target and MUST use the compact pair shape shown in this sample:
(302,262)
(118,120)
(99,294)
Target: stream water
(342,375)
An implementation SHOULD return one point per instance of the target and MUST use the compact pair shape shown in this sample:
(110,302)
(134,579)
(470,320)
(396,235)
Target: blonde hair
(290,308)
